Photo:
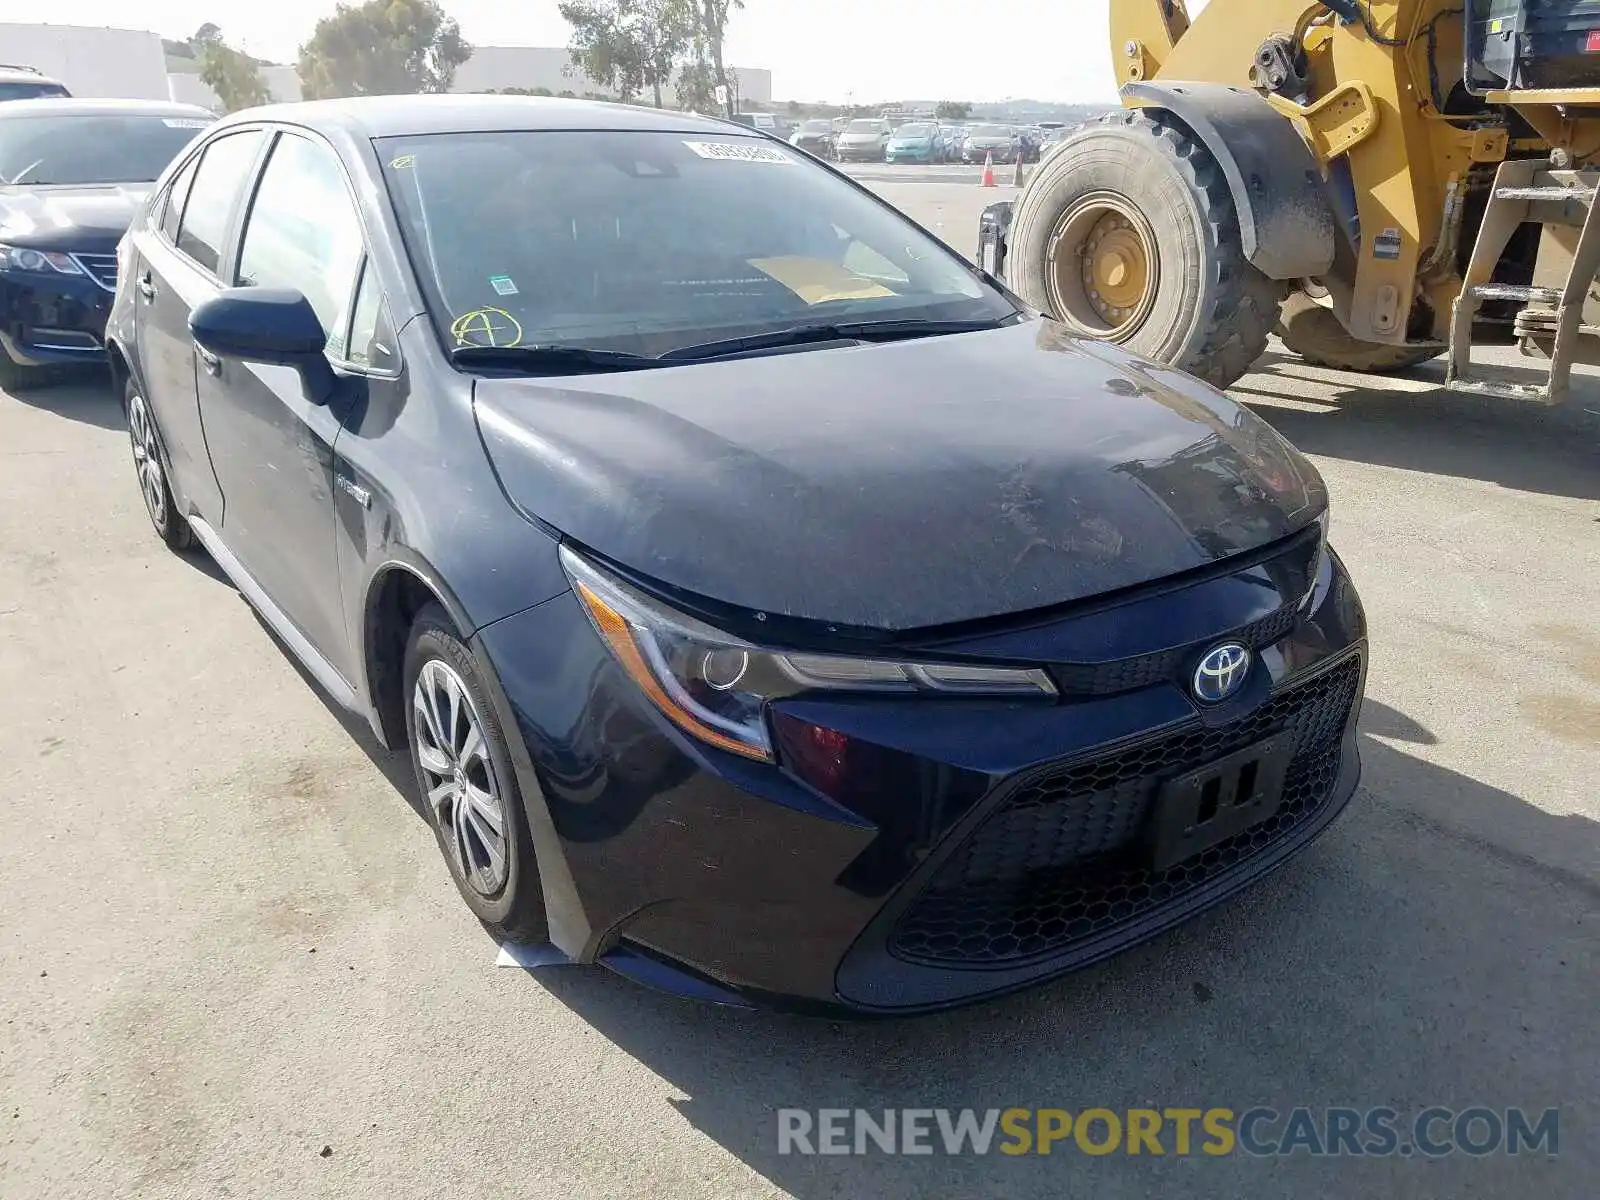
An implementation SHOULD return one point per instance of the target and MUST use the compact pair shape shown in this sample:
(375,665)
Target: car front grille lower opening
(1062,859)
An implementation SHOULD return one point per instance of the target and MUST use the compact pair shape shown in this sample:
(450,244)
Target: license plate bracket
(1219,800)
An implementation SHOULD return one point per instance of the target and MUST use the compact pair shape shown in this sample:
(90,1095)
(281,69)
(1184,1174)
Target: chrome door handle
(146,286)
(211,362)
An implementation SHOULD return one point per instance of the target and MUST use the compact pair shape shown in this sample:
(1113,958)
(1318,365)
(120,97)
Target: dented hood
(900,486)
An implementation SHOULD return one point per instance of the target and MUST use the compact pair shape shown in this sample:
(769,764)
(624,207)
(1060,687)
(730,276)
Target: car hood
(861,137)
(65,216)
(900,486)
(916,141)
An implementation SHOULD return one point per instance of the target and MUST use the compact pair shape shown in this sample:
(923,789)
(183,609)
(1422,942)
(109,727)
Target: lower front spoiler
(872,983)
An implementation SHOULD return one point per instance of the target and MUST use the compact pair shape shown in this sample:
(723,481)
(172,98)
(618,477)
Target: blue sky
(816,49)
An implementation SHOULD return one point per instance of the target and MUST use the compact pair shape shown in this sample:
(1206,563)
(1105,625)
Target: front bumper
(909,856)
(919,156)
(861,154)
(49,318)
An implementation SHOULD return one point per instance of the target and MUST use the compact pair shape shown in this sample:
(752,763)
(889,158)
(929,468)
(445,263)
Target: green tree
(710,32)
(233,75)
(603,46)
(383,47)
(697,87)
(953,110)
(629,45)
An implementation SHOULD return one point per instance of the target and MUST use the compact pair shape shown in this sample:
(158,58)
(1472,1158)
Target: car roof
(67,106)
(393,116)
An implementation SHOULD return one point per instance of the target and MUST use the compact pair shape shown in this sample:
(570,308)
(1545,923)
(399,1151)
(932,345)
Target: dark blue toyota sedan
(772,608)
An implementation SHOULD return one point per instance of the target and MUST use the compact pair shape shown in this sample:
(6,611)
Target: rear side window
(221,175)
(176,195)
(303,233)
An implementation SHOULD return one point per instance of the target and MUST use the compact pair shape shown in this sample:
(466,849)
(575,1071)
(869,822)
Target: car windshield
(817,127)
(646,242)
(91,148)
(916,131)
(996,131)
(30,90)
(865,127)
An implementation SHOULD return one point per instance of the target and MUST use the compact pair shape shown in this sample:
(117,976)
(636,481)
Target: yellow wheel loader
(1380,181)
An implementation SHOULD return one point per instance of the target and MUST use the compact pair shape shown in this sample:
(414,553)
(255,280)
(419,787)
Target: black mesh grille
(1147,670)
(1061,860)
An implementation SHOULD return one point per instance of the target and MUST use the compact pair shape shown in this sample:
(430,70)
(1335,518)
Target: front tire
(15,376)
(466,782)
(150,465)
(1128,234)
(1314,333)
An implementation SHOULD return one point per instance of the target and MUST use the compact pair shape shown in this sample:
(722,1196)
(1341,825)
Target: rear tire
(150,464)
(466,782)
(1150,189)
(1315,334)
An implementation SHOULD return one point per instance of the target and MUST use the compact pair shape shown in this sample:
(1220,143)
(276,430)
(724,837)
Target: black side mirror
(267,325)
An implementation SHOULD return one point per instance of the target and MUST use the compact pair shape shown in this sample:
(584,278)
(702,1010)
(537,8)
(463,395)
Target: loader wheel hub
(1103,266)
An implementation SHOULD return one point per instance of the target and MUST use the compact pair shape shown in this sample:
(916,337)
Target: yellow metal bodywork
(1370,111)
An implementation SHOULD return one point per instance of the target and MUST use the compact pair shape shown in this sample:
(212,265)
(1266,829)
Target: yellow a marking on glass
(404,161)
(486,327)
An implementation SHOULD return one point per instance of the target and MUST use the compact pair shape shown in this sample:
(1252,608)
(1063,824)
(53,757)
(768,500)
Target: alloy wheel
(459,779)
(147,460)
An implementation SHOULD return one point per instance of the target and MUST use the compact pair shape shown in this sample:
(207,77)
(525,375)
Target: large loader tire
(1128,234)
(1315,334)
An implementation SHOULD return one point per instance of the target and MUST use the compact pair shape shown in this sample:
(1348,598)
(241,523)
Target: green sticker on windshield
(503,285)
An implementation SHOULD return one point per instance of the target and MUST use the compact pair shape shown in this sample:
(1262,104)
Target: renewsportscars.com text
(1258,1132)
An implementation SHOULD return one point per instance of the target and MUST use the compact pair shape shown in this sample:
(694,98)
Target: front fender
(1286,223)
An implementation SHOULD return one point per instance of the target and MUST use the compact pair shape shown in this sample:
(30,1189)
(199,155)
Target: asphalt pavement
(232,962)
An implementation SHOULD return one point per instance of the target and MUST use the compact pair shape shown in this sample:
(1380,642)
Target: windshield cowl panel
(643,243)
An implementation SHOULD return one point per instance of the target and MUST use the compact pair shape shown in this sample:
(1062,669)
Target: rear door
(175,268)
(271,447)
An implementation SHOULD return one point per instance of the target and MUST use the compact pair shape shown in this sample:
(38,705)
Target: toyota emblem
(1221,673)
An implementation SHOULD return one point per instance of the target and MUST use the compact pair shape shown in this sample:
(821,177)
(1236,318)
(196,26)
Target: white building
(94,61)
(91,61)
(493,68)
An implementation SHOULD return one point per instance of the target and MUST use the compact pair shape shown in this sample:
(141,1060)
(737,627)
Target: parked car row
(879,139)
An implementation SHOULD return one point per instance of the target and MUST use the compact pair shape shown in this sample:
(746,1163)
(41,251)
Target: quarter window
(176,195)
(220,177)
(303,233)
(371,334)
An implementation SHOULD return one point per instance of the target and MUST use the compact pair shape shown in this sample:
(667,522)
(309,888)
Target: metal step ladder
(1551,324)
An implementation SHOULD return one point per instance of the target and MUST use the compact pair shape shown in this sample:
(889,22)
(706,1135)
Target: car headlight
(715,686)
(25,258)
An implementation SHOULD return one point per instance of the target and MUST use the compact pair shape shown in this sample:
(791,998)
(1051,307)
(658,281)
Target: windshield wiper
(568,359)
(841,331)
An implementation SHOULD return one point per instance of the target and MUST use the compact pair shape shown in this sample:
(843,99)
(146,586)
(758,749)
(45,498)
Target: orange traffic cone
(988,170)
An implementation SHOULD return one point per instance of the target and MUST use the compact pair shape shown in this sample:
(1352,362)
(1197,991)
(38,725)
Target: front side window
(90,148)
(217,183)
(647,242)
(303,233)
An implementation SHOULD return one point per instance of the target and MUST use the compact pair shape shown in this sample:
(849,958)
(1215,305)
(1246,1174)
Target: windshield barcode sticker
(734,152)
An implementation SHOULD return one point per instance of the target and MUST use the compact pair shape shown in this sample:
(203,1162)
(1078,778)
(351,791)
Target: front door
(272,447)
